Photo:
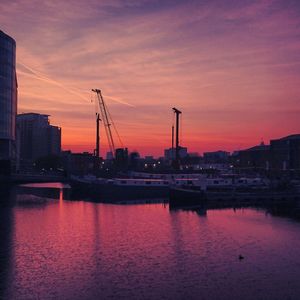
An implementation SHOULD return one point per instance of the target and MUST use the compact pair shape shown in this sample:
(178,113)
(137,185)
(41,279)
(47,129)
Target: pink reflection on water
(79,249)
(57,185)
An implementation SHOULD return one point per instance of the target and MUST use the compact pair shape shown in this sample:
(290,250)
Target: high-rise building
(36,138)
(8,102)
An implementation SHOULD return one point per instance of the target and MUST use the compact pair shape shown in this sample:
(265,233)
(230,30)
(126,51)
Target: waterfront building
(285,153)
(8,103)
(37,138)
(257,157)
(281,155)
(78,163)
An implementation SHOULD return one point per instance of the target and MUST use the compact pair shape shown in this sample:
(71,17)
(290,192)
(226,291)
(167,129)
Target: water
(59,249)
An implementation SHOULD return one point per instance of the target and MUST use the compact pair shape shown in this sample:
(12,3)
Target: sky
(231,67)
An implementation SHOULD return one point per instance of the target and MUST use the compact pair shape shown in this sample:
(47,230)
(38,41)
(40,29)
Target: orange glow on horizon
(233,70)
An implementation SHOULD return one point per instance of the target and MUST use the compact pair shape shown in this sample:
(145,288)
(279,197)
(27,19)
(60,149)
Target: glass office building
(8,100)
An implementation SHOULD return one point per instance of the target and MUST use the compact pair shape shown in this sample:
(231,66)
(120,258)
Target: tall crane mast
(107,122)
(97,150)
(176,162)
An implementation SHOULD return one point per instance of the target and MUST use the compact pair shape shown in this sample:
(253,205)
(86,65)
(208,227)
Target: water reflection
(201,211)
(79,250)
(38,193)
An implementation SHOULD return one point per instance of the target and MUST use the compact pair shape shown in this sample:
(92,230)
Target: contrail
(38,75)
(120,101)
(44,78)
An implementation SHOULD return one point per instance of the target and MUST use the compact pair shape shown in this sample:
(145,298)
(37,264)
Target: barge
(183,197)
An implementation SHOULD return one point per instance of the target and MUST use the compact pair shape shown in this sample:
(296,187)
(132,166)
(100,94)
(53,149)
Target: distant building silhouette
(171,152)
(122,158)
(216,157)
(109,155)
(281,155)
(8,102)
(285,153)
(254,157)
(134,160)
(36,138)
(78,163)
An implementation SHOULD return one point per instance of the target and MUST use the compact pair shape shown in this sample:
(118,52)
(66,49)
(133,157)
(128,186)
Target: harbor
(65,251)
(178,178)
(149,150)
(178,196)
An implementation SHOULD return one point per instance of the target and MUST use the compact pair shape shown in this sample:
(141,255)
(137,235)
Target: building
(257,157)
(216,157)
(134,160)
(78,163)
(122,158)
(109,155)
(36,138)
(285,153)
(8,103)
(281,155)
(171,153)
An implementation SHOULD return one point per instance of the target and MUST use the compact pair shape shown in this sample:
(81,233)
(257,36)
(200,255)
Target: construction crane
(97,151)
(107,122)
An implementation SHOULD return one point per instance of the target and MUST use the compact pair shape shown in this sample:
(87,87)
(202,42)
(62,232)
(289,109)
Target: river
(61,249)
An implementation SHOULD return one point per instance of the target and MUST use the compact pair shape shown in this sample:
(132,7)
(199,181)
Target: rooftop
(260,147)
(6,36)
(32,115)
(289,137)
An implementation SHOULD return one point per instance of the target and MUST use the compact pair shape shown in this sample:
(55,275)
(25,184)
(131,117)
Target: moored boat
(121,189)
(183,197)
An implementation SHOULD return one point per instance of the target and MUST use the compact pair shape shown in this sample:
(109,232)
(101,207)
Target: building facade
(257,157)
(285,153)
(8,102)
(78,163)
(281,155)
(36,138)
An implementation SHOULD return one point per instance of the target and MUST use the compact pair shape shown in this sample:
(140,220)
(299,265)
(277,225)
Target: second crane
(107,122)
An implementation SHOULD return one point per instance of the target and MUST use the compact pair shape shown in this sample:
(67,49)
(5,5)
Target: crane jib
(107,122)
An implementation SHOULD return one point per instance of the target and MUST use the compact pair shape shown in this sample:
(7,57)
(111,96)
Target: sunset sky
(232,67)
